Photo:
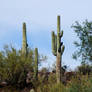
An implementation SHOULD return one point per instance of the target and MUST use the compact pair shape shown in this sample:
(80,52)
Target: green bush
(84,69)
(80,84)
(14,66)
(50,85)
(57,88)
(52,88)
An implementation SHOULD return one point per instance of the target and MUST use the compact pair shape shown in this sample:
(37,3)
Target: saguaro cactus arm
(61,34)
(54,42)
(62,49)
(59,49)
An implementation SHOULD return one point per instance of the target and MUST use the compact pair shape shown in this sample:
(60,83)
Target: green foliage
(44,70)
(84,69)
(52,78)
(9,89)
(80,84)
(57,88)
(14,66)
(50,85)
(84,46)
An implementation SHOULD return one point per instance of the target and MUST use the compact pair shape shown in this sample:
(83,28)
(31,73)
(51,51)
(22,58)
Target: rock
(32,90)
(3,84)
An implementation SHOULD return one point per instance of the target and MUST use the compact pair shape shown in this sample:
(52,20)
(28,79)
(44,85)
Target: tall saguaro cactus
(58,49)
(36,64)
(24,41)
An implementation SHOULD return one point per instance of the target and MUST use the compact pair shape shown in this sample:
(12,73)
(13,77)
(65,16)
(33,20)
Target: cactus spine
(24,41)
(36,64)
(58,49)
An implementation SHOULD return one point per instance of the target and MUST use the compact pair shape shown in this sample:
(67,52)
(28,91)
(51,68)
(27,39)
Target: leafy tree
(84,45)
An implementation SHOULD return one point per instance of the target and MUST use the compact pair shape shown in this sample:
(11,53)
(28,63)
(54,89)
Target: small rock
(32,90)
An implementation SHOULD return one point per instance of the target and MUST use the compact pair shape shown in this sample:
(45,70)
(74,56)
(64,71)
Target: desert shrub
(57,88)
(51,88)
(74,85)
(80,84)
(50,85)
(85,69)
(14,66)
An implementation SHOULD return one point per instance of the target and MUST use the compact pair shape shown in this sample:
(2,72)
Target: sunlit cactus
(58,49)
(24,41)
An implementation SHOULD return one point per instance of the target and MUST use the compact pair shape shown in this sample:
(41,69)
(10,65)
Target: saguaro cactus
(58,49)
(24,41)
(36,64)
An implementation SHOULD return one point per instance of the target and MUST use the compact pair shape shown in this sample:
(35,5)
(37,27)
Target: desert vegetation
(19,69)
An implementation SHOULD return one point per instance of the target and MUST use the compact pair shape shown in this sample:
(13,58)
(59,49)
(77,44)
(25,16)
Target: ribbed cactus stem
(24,41)
(58,24)
(58,60)
(58,49)
(36,64)
(58,33)
(54,48)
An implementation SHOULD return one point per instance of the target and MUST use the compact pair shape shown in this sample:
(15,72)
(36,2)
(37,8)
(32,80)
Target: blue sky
(41,18)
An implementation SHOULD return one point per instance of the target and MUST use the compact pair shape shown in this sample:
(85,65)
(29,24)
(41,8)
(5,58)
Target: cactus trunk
(36,64)
(58,49)
(24,41)
(58,67)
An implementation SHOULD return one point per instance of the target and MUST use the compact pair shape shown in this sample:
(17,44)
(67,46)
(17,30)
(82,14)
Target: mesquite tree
(84,44)
(58,49)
